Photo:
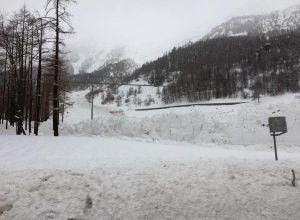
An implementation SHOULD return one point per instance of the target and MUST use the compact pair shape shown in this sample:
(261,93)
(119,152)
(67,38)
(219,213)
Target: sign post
(275,146)
(278,126)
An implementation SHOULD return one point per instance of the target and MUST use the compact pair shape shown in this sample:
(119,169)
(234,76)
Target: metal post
(92,110)
(275,146)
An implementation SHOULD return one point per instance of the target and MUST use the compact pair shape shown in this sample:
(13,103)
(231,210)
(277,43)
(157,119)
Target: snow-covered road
(50,178)
(85,153)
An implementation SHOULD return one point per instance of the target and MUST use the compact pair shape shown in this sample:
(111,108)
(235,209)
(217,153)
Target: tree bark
(56,86)
(38,85)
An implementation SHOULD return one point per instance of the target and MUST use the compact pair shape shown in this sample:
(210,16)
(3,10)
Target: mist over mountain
(274,22)
(112,71)
(88,60)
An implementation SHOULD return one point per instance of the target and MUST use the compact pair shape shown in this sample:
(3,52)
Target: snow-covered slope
(252,25)
(226,125)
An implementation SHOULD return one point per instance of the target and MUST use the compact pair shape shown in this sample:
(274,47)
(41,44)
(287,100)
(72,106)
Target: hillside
(89,60)
(245,66)
(272,23)
(233,67)
(111,72)
(234,60)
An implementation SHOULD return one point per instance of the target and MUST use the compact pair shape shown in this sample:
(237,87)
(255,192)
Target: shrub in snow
(137,101)
(108,98)
(119,101)
(149,100)
(130,92)
(246,93)
(5,208)
(139,91)
(88,204)
(158,92)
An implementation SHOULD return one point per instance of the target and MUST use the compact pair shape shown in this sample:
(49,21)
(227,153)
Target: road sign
(278,126)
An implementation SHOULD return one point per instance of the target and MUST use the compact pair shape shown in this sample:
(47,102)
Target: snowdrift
(237,125)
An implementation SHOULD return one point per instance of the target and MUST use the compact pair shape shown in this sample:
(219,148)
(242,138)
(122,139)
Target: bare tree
(24,48)
(60,21)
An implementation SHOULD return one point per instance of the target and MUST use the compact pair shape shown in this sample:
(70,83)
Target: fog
(145,29)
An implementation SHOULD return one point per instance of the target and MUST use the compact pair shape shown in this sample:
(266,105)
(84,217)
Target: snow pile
(239,124)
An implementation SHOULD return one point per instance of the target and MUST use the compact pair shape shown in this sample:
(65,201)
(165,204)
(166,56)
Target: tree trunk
(30,83)
(56,86)
(38,85)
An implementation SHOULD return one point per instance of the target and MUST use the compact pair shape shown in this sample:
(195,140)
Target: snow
(146,92)
(89,61)
(234,125)
(188,163)
(286,19)
(231,34)
(245,20)
(47,178)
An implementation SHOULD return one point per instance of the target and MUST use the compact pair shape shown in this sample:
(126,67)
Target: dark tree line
(228,67)
(33,71)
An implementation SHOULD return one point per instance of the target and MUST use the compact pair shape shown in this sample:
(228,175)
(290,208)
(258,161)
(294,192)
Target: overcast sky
(148,28)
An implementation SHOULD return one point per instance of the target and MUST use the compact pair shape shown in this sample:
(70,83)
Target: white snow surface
(186,163)
(50,178)
(235,125)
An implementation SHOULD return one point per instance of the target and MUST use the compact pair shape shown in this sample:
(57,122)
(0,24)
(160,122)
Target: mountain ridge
(273,22)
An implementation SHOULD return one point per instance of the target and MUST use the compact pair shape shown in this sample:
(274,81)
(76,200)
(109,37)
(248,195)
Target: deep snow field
(185,163)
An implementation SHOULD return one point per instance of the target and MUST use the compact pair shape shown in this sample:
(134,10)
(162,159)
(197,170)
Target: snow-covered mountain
(276,21)
(112,72)
(91,60)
